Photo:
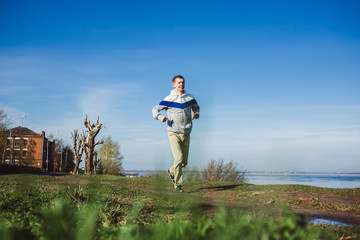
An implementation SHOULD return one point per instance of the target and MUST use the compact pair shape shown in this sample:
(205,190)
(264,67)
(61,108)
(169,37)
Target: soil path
(312,204)
(329,206)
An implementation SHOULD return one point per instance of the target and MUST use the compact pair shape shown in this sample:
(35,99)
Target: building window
(24,153)
(8,142)
(16,154)
(7,154)
(25,142)
(17,142)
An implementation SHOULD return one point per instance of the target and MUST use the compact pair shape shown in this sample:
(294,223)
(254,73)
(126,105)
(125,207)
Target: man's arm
(196,110)
(156,113)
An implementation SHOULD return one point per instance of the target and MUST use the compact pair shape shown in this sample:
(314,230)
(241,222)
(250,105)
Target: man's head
(179,84)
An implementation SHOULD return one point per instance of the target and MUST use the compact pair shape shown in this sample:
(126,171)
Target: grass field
(113,207)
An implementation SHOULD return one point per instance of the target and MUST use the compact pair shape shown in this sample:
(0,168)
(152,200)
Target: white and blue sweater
(178,108)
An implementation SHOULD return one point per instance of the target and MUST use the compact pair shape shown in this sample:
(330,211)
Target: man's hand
(163,118)
(195,115)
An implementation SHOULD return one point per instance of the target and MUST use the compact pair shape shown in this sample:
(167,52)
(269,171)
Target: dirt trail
(322,205)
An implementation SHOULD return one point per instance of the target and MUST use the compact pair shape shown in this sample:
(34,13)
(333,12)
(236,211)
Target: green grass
(112,207)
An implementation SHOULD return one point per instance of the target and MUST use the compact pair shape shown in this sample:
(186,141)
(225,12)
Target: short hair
(178,76)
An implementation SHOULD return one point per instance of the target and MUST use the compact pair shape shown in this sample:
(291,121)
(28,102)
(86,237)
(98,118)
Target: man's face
(179,85)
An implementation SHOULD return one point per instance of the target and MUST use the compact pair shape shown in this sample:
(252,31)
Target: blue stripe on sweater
(178,105)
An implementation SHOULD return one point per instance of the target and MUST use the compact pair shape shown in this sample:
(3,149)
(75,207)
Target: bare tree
(92,131)
(86,151)
(4,126)
(96,160)
(85,144)
(68,158)
(78,148)
(30,158)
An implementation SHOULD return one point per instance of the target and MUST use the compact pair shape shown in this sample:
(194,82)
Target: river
(329,180)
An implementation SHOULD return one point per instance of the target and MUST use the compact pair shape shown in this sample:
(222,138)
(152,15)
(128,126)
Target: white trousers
(179,144)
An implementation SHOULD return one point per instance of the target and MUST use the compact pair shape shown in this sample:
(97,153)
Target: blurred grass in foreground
(62,221)
(112,207)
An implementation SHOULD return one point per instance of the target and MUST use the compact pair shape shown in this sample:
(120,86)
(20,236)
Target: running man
(181,108)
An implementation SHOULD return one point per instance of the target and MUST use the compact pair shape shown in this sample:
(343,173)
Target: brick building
(28,148)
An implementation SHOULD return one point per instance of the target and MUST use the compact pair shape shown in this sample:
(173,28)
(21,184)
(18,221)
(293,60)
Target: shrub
(217,171)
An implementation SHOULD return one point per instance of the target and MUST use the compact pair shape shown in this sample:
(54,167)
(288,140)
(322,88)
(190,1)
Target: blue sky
(278,82)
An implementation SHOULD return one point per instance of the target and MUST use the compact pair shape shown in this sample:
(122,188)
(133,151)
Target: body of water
(326,221)
(328,180)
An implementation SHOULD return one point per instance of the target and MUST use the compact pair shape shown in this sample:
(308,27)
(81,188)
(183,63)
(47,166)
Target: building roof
(23,131)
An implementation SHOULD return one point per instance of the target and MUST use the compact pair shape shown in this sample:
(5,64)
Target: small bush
(217,171)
